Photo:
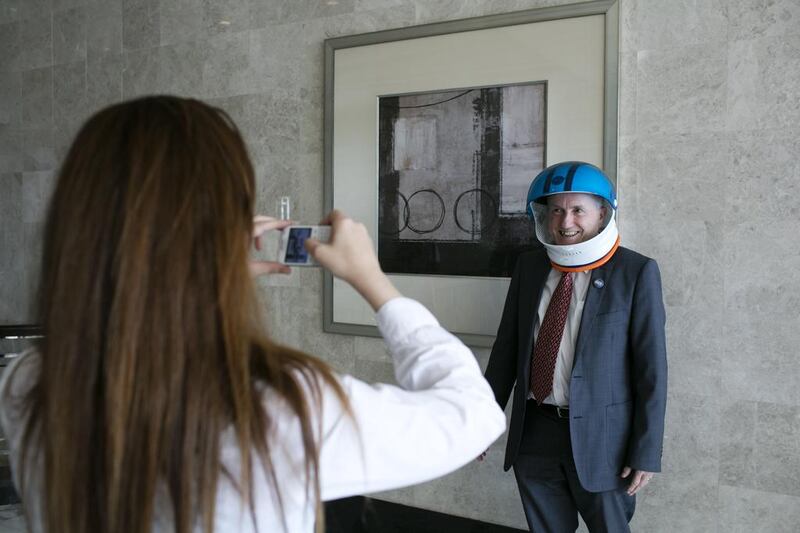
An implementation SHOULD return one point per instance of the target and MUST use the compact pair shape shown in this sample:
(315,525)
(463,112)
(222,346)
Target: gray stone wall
(709,167)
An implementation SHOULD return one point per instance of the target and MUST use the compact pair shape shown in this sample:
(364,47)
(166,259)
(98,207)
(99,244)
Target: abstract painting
(454,170)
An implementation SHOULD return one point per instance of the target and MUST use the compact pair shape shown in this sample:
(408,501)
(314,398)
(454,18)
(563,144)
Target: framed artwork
(453,171)
(433,134)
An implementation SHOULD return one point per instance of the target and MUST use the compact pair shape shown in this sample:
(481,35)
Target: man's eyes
(574,210)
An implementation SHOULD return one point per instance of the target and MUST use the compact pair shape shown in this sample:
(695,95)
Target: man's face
(574,217)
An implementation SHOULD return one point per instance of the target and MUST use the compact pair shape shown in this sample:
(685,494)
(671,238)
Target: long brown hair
(153,339)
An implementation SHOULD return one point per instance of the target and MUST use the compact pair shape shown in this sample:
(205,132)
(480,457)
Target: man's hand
(481,457)
(639,479)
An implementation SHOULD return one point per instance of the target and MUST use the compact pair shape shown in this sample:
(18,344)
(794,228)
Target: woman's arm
(441,416)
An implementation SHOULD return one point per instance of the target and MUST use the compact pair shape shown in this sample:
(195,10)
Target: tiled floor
(11,519)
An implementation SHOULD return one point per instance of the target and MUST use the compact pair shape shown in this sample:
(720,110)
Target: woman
(157,402)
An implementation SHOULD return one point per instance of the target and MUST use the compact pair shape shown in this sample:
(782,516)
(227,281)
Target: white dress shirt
(566,351)
(442,415)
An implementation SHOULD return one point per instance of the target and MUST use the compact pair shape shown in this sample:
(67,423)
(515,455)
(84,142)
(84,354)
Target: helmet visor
(547,219)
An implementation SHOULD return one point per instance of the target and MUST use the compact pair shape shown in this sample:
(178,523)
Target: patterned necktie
(545,351)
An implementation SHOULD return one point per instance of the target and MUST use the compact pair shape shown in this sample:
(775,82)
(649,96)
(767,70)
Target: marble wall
(709,172)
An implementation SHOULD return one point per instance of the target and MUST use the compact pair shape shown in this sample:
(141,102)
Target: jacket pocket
(609,319)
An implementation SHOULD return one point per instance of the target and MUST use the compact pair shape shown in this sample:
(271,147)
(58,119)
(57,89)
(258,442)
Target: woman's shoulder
(323,405)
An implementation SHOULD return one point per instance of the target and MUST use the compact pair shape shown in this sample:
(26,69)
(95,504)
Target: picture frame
(574,48)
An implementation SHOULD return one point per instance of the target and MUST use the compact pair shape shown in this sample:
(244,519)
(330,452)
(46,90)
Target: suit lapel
(532,284)
(594,294)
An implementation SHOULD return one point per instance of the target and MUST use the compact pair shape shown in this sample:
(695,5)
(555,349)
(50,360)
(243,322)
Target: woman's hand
(261,225)
(350,255)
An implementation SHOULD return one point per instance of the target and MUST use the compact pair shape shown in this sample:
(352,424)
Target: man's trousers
(551,493)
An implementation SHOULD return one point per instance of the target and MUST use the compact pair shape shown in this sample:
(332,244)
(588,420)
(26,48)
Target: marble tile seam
(755,486)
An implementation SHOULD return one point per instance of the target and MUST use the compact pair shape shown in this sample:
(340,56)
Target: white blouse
(442,416)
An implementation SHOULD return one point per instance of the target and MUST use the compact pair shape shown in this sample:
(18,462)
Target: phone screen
(295,247)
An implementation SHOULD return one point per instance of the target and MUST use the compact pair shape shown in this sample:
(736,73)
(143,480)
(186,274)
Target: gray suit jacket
(618,388)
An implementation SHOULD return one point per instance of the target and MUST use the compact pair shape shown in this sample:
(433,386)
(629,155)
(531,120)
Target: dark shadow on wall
(366,515)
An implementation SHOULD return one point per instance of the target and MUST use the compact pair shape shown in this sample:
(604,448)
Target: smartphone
(293,250)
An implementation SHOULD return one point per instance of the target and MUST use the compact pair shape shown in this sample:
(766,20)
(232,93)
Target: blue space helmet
(570,176)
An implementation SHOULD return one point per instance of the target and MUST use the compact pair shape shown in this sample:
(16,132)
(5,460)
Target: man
(582,337)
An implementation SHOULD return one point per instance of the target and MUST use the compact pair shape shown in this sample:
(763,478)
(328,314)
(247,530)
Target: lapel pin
(599,283)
